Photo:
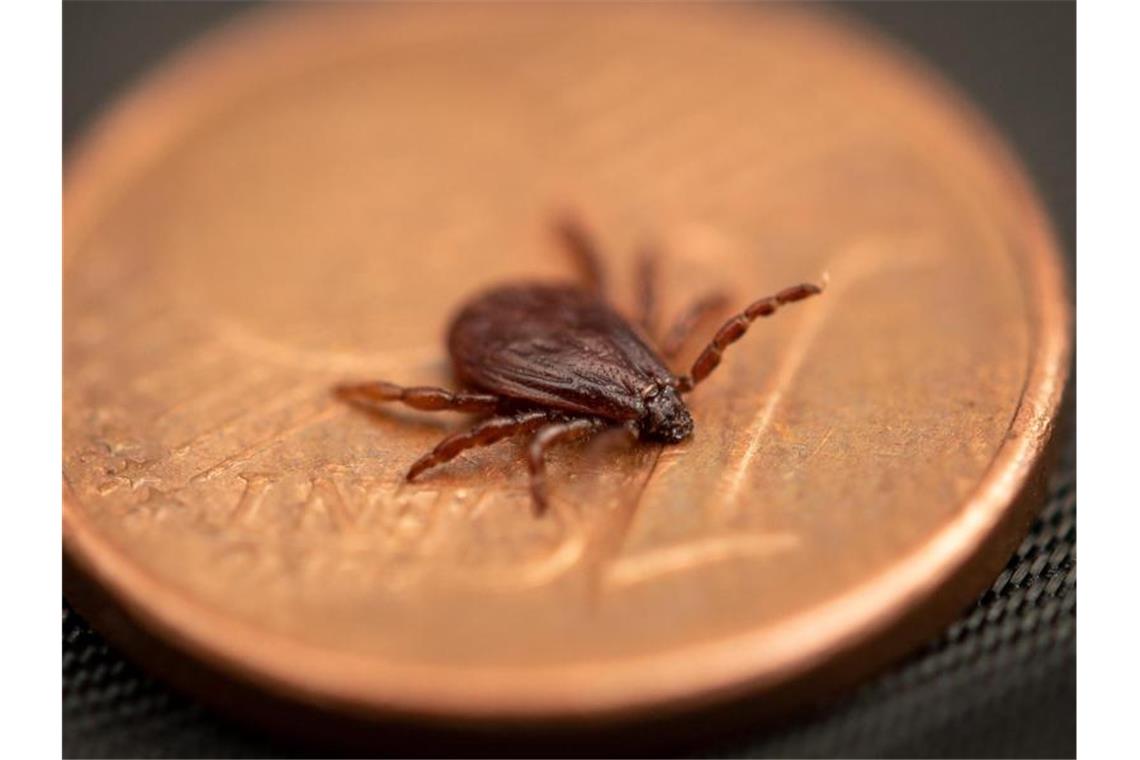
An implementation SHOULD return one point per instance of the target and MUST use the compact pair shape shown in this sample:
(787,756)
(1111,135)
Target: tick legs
(543,440)
(735,327)
(482,434)
(584,248)
(428,399)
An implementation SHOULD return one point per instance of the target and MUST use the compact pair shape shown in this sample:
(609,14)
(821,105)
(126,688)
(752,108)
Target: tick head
(666,417)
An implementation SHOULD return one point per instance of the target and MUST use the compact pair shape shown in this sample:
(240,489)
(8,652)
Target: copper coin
(304,198)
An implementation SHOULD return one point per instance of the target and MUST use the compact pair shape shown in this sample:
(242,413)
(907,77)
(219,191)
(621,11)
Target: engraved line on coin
(533,572)
(324,491)
(822,442)
(316,504)
(651,565)
(865,258)
(421,513)
(614,529)
(248,505)
(273,396)
(357,499)
(283,400)
(515,576)
(326,411)
(433,533)
(404,497)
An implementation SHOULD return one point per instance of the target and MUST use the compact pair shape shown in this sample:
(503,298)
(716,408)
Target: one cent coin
(305,198)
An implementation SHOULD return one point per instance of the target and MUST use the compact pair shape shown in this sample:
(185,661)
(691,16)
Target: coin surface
(306,197)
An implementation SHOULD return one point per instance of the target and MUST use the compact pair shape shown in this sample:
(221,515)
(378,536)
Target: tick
(559,362)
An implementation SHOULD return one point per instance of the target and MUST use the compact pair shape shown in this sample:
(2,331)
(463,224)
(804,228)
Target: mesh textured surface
(1001,681)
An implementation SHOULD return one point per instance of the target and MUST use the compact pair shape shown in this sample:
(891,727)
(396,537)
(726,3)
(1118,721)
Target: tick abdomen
(556,346)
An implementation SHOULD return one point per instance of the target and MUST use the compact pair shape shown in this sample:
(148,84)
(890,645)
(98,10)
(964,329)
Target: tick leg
(688,321)
(647,280)
(583,247)
(427,399)
(543,440)
(482,434)
(734,328)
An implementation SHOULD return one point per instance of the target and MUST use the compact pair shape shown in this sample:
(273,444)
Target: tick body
(558,361)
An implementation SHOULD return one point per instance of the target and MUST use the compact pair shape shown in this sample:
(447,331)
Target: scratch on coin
(653,564)
(328,411)
(533,573)
(822,442)
(613,532)
(519,576)
(863,259)
(290,394)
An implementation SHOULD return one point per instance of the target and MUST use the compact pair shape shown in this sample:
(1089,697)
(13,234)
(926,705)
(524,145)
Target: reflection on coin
(305,198)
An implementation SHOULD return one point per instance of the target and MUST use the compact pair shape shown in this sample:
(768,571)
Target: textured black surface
(1001,681)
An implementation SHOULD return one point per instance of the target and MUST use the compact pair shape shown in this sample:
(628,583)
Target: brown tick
(559,361)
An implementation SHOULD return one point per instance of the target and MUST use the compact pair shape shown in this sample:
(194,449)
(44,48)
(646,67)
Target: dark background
(1001,681)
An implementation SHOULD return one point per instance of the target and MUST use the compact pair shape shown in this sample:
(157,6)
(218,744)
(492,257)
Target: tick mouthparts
(667,418)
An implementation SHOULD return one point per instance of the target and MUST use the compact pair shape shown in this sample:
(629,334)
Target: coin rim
(948,569)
